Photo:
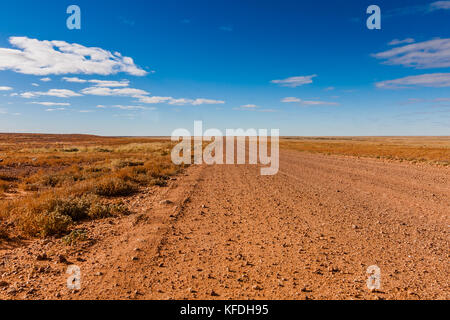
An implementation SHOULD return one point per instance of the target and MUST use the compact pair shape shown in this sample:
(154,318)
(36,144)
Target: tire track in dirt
(130,271)
(227,232)
(116,264)
(310,232)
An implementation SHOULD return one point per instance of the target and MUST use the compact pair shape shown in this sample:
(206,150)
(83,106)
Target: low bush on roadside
(52,215)
(75,236)
(46,224)
(102,210)
(114,187)
(47,214)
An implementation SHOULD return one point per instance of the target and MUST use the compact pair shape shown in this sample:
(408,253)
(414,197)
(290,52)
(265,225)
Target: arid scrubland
(223,231)
(434,150)
(49,183)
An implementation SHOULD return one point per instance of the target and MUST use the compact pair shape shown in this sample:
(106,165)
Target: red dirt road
(309,232)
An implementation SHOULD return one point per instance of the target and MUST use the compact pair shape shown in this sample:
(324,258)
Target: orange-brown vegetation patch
(434,150)
(48,183)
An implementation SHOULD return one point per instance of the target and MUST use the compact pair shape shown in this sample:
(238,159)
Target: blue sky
(304,67)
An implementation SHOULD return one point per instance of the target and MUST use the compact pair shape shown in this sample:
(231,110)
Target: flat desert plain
(148,230)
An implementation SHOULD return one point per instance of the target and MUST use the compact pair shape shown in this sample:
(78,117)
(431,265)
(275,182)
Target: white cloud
(130,116)
(111,84)
(418,9)
(126,107)
(35,85)
(440,5)
(422,55)
(411,101)
(179,102)
(309,102)
(99,83)
(43,79)
(55,109)
(318,103)
(59,57)
(60,93)
(154,100)
(254,109)
(129,107)
(201,101)
(74,79)
(125,92)
(5,111)
(290,100)
(5,88)
(442,100)
(396,42)
(51,104)
(437,80)
(293,82)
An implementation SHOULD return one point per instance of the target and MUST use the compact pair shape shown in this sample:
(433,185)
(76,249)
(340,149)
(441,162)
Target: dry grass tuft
(3,232)
(114,187)
(50,183)
(52,214)
(4,186)
(75,236)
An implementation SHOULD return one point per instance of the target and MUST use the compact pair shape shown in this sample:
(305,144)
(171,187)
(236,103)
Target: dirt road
(227,232)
